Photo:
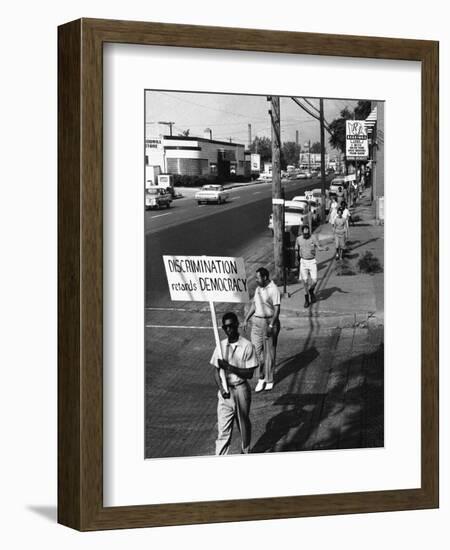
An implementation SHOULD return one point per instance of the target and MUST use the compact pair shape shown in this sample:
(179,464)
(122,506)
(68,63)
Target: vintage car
(155,197)
(313,205)
(211,193)
(265,178)
(296,214)
(336,183)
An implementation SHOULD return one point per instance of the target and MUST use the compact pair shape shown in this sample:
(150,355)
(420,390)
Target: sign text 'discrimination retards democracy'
(206,278)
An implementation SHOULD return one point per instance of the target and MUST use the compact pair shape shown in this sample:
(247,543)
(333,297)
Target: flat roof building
(195,156)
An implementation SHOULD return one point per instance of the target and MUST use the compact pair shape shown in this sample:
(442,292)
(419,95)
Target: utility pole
(322,157)
(249,136)
(277,194)
(170,124)
(309,155)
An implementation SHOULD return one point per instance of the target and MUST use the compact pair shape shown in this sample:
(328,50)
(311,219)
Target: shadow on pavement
(350,414)
(327,292)
(296,363)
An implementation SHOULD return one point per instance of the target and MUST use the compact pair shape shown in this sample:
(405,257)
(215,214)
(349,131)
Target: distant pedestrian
(239,362)
(347,217)
(340,195)
(333,210)
(306,246)
(339,230)
(264,312)
(354,191)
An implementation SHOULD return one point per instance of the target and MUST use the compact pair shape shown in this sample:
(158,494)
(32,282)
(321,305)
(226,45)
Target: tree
(337,127)
(362,110)
(290,153)
(315,148)
(262,146)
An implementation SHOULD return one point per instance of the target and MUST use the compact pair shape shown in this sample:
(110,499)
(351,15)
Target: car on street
(313,206)
(296,214)
(155,197)
(336,183)
(211,193)
(265,178)
(316,195)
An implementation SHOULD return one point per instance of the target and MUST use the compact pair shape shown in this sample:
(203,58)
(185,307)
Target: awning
(371,120)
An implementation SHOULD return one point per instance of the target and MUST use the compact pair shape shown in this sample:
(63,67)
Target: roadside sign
(357,146)
(206,278)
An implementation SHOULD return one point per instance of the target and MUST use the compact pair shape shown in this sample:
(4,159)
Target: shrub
(343,268)
(369,263)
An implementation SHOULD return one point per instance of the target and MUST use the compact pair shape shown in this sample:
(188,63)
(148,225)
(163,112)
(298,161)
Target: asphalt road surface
(216,230)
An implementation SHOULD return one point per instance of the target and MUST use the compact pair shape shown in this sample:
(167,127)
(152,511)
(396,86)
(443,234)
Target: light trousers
(236,407)
(265,346)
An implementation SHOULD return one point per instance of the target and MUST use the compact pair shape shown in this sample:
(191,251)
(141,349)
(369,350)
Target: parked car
(311,204)
(336,183)
(211,193)
(316,195)
(296,214)
(156,197)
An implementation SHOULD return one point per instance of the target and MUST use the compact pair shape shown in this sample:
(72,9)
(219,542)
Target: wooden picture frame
(80,272)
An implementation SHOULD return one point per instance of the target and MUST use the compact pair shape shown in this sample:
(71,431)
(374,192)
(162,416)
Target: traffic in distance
(306,207)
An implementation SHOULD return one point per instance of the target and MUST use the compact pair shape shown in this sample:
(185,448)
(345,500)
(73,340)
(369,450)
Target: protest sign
(206,278)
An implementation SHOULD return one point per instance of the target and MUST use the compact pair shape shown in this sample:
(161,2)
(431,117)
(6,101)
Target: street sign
(206,278)
(357,146)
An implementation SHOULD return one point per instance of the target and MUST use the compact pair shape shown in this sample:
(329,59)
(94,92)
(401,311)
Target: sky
(228,115)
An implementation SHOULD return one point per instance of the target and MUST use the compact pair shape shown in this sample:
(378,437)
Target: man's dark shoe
(306,304)
(312,296)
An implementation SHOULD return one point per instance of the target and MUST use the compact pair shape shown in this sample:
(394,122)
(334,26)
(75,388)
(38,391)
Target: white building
(195,156)
(312,160)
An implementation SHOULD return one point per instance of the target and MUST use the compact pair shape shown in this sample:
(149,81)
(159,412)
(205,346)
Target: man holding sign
(239,361)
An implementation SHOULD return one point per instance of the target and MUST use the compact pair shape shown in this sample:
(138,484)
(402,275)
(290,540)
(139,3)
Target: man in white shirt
(239,362)
(264,311)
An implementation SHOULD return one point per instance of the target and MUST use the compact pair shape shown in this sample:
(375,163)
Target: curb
(291,319)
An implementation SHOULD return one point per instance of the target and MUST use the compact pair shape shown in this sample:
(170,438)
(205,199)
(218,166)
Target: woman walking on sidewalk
(339,230)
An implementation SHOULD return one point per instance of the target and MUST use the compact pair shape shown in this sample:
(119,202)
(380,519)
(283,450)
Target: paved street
(226,229)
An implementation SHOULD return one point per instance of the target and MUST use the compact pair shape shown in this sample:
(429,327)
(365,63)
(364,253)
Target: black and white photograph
(264,273)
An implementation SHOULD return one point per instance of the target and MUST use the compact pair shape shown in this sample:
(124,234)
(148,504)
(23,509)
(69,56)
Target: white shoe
(260,385)
(269,386)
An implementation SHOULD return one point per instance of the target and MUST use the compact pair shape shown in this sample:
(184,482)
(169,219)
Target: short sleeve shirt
(265,299)
(340,226)
(307,247)
(239,354)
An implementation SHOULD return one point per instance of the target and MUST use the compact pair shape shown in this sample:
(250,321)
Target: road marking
(237,197)
(257,193)
(159,215)
(178,326)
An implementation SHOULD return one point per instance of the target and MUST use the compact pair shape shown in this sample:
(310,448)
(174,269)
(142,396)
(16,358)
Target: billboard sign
(357,146)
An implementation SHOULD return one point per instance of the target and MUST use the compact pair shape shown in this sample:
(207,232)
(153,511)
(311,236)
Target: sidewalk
(345,297)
